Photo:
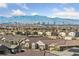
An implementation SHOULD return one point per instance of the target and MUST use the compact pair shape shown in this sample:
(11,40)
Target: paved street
(63,53)
(33,53)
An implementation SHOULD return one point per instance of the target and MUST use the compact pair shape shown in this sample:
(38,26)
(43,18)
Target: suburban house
(33,45)
(48,33)
(41,45)
(4,49)
(14,49)
(40,33)
(62,34)
(44,43)
(72,34)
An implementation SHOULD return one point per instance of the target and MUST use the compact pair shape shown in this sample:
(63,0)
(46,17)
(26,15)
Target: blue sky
(45,9)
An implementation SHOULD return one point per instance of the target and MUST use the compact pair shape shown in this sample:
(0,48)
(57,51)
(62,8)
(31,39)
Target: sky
(63,10)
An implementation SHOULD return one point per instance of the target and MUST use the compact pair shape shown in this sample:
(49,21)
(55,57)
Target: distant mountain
(37,19)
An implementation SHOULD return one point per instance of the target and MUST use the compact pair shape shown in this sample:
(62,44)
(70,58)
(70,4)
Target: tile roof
(71,43)
(13,46)
(45,40)
(40,43)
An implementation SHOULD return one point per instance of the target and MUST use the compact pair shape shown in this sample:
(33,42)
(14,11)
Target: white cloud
(66,13)
(24,6)
(18,13)
(3,5)
(55,10)
(34,13)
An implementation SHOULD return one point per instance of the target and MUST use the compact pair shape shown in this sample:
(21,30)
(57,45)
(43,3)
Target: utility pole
(54,22)
(44,52)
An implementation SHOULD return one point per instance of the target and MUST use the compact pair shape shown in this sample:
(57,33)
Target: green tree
(35,33)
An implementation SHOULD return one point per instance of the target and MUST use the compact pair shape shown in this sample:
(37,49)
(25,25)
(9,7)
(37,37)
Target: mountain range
(37,19)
